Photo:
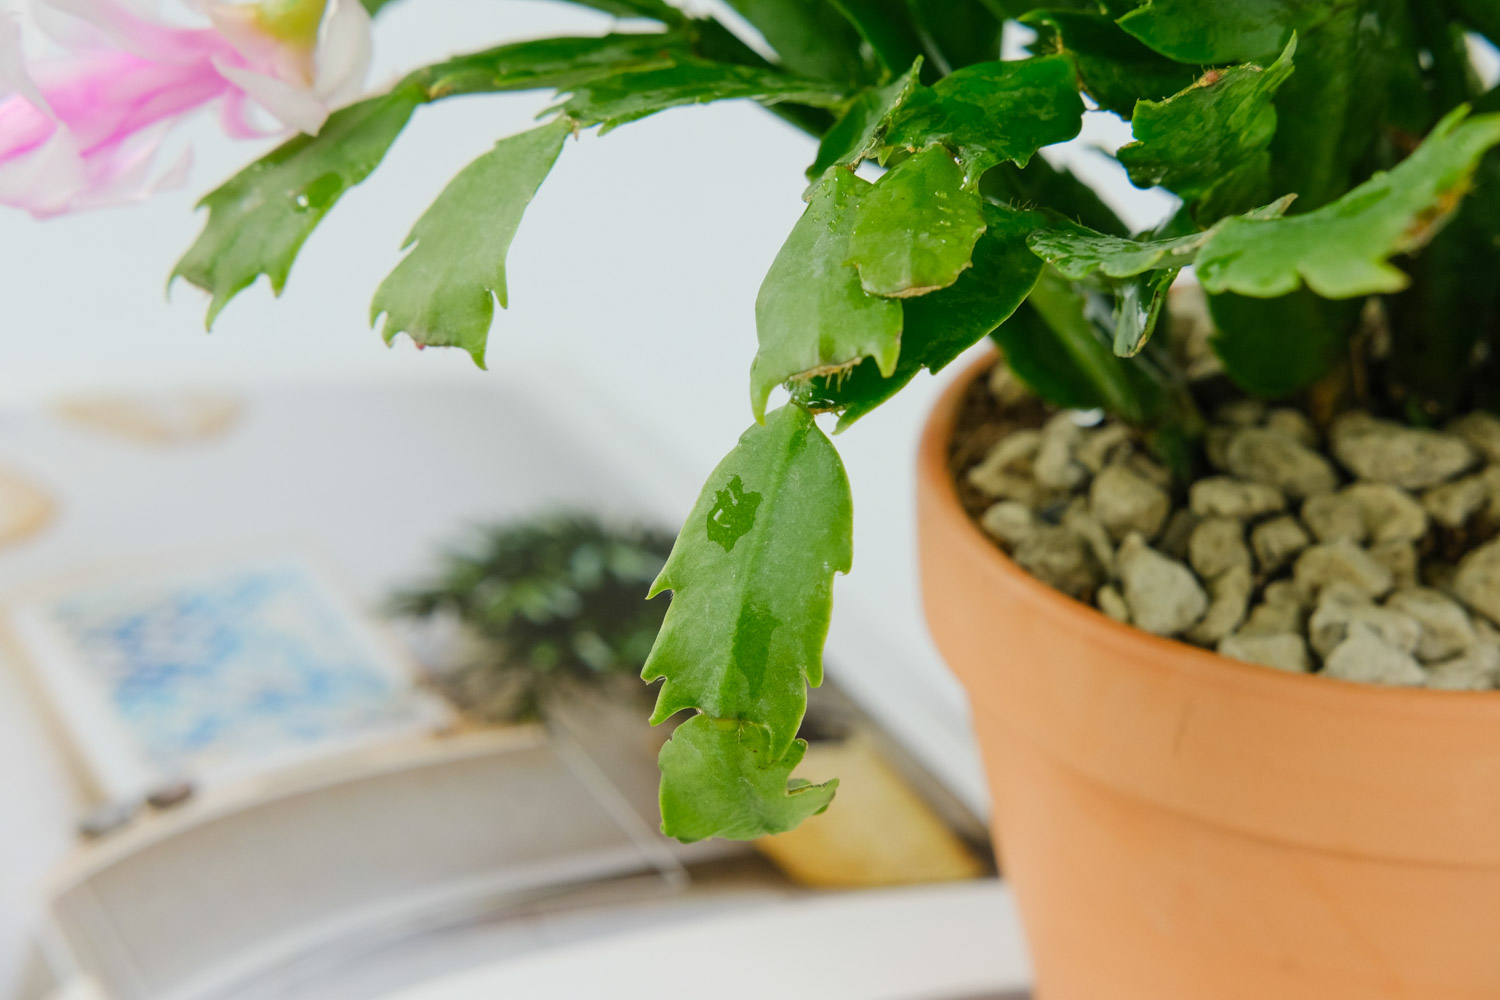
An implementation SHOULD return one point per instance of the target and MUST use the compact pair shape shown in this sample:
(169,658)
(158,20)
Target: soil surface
(1365,550)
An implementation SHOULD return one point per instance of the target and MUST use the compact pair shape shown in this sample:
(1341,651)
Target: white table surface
(953,942)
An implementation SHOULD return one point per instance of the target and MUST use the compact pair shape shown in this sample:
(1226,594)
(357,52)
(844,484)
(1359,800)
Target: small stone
(1477,582)
(1225,496)
(1341,561)
(1190,332)
(1390,514)
(1383,451)
(1283,651)
(1341,592)
(1330,625)
(1333,516)
(1077,519)
(1452,504)
(1294,424)
(1008,486)
(1217,544)
(1123,502)
(1446,627)
(1274,619)
(1058,557)
(1275,459)
(1366,511)
(1098,448)
(1163,595)
(1481,431)
(1006,470)
(1241,413)
(1287,593)
(1177,534)
(1276,542)
(1054,466)
(1400,558)
(1112,603)
(1015,451)
(1229,595)
(1366,658)
(1216,446)
(1476,670)
(1011,521)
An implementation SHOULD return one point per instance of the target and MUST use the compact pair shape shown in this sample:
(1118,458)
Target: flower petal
(235,118)
(124,174)
(344,48)
(292,106)
(13,72)
(45,179)
(134,34)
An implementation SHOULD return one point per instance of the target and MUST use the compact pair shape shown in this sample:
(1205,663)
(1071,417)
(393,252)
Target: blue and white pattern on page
(236,668)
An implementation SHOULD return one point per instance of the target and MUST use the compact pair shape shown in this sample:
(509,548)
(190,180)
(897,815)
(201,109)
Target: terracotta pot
(1179,826)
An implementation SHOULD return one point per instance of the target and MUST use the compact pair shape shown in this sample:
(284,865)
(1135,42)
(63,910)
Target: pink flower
(82,129)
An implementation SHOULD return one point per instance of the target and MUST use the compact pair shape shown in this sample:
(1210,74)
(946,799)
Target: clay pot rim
(1202,664)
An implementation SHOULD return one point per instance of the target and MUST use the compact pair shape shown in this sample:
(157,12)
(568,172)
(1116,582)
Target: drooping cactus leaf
(1210,143)
(719,778)
(259,219)
(751,578)
(1343,249)
(443,293)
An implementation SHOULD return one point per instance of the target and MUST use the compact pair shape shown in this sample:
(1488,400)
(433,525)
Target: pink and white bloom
(81,129)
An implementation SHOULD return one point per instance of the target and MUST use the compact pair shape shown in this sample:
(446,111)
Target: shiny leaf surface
(1116,70)
(1037,99)
(860,131)
(1076,252)
(915,229)
(812,317)
(1225,31)
(1210,143)
(941,326)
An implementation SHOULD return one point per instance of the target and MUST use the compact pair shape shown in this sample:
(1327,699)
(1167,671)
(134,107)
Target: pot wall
(1179,826)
